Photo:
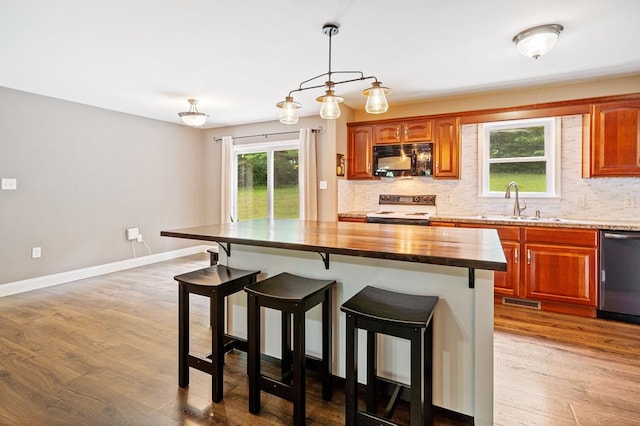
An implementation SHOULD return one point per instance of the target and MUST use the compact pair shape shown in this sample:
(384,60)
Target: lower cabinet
(557,267)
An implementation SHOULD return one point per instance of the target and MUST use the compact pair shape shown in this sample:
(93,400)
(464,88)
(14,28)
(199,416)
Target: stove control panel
(411,200)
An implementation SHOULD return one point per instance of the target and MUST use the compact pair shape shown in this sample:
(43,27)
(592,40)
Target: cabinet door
(615,139)
(360,152)
(388,133)
(417,131)
(447,148)
(561,273)
(507,283)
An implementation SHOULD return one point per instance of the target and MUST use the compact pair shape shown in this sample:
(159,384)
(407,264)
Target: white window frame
(552,137)
(251,148)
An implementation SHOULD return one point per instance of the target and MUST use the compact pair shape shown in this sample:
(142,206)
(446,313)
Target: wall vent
(521,302)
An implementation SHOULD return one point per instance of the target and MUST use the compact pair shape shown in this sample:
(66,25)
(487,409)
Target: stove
(404,209)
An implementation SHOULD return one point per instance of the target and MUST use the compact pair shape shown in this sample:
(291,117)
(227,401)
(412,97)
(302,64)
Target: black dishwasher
(620,276)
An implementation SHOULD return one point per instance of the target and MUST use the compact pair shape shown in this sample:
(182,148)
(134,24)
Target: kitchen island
(455,264)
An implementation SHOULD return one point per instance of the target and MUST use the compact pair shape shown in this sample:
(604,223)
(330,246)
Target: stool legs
(327,347)
(372,372)
(217,322)
(299,376)
(183,335)
(253,355)
(351,379)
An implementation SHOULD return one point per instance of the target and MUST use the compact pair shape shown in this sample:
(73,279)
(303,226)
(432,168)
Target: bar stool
(215,282)
(395,314)
(213,256)
(293,296)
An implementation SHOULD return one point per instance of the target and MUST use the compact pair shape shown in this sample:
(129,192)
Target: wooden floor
(102,351)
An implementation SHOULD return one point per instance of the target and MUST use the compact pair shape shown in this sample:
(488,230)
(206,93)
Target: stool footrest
(203,364)
(368,419)
(276,388)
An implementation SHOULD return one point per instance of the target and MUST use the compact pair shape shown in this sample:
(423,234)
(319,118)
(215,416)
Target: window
(524,151)
(266,180)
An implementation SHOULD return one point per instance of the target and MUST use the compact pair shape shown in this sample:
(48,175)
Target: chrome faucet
(516,205)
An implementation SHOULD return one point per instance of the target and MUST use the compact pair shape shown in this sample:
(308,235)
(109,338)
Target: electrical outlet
(581,200)
(139,238)
(132,233)
(630,202)
(36,252)
(9,184)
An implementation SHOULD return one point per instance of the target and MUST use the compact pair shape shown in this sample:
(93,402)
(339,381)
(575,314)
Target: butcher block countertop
(462,247)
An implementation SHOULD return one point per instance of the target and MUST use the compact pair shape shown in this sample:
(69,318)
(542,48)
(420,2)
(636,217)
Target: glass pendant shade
(537,41)
(193,117)
(288,111)
(330,108)
(376,98)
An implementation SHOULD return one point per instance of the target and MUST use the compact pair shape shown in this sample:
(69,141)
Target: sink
(521,218)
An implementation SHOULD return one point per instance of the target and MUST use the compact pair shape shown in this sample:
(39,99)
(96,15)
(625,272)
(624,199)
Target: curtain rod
(319,129)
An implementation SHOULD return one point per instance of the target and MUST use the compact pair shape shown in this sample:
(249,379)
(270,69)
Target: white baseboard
(78,274)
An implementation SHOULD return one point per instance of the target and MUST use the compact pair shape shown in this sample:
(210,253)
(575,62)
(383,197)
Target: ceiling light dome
(535,42)
(193,117)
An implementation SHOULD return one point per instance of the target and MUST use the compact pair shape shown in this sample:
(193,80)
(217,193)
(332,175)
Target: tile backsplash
(604,198)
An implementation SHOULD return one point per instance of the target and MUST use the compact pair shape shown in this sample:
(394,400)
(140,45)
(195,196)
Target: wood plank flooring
(102,351)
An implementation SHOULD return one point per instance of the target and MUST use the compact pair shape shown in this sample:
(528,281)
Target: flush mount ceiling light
(535,42)
(193,117)
(330,109)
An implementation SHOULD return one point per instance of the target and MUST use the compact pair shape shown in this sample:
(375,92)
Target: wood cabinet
(446,148)
(443,132)
(557,267)
(403,132)
(615,139)
(506,283)
(360,152)
(561,265)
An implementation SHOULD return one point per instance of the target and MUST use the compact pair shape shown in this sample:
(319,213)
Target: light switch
(9,184)
(323,184)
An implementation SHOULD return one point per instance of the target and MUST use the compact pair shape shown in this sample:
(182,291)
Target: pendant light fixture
(535,42)
(330,109)
(193,117)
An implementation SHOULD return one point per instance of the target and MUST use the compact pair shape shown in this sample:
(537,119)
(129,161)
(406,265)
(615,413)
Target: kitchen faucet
(516,205)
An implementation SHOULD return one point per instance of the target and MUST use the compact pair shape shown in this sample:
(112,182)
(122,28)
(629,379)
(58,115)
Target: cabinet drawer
(573,237)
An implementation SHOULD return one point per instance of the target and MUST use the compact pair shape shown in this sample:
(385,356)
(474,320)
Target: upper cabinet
(615,139)
(360,152)
(446,148)
(403,132)
(443,132)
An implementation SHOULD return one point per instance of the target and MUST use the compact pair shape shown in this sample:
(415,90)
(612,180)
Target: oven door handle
(622,236)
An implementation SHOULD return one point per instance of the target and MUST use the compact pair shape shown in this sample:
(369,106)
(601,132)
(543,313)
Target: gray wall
(86,174)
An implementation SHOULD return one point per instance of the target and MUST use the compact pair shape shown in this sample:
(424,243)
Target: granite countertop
(550,222)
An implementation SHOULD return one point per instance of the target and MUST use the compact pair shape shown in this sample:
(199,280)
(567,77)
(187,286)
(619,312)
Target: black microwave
(409,159)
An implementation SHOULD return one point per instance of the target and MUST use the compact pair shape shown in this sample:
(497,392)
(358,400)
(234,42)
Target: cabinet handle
(516,256)
(397,133)
(437,166)
(528,257)
(406,133)
(368,167)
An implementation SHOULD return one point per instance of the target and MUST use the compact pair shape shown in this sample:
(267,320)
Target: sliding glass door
(267,180)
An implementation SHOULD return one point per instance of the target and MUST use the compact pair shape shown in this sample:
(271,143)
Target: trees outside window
(267,180)
(524,151)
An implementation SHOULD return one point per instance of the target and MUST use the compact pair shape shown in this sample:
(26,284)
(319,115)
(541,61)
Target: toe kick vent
(521,302)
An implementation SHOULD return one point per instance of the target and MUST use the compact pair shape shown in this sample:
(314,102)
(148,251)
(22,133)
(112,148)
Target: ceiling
(239,58)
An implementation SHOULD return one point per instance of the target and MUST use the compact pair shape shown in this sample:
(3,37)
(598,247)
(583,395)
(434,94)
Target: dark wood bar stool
(216,283)
(395,314)
(293,296)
